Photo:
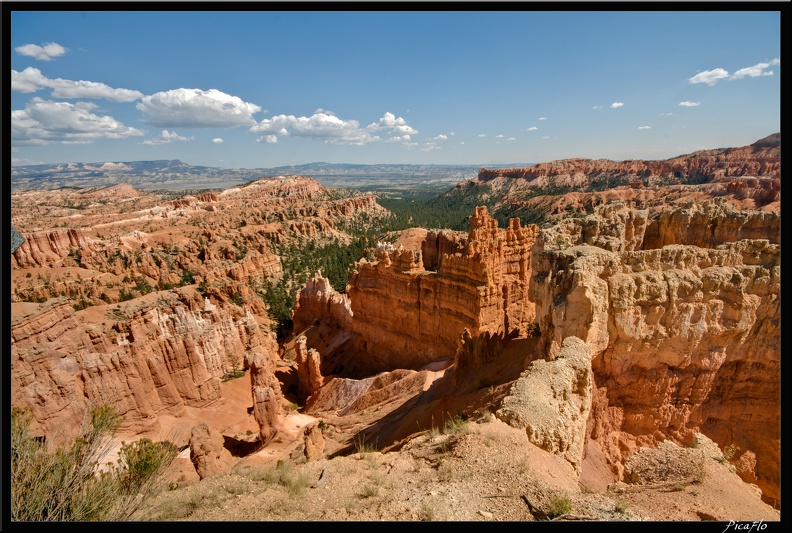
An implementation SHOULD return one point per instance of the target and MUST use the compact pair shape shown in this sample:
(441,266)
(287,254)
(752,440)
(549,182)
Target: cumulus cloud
(217,140)
(616,105)
(644,127)
(532,128)
(400,138)
(167,137)
(710,77)
(441,137)
(44,122)
(499,136)
(428,147)
(268,139)
(756,70)
(31,79)
(320,126)
(511,139)
(482,135)
(332,129)
(42,53)
(542,118)
(688,104)
(195,108)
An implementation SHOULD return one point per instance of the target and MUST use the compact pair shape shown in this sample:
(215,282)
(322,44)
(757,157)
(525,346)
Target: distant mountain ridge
(760,159)
(175,174)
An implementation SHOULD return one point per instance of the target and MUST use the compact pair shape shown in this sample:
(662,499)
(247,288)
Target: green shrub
(142,460)
(560,506)
(621,507)
(62,483)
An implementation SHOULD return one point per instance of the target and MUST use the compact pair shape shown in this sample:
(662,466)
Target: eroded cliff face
(684,338)
(655,326)
(147,301)
(149,357)
(410,307)
(762,158)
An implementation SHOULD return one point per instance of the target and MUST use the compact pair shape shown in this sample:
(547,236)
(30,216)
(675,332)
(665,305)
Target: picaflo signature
(745,526)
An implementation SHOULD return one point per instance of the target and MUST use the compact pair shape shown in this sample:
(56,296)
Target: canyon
(644,315)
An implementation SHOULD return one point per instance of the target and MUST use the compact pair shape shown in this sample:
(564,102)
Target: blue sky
(270,88)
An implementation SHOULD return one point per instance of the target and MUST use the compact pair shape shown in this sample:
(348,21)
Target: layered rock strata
(762,158)
(411,307)
(683,338)
(147,357)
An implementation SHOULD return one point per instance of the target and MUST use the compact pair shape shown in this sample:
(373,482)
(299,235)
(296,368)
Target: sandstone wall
(41,248)
(410,309)
(160,354)
(683,338)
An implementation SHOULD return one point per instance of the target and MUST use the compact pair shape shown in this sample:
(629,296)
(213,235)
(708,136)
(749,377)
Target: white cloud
(31,79)
(441,137)
(268,139)
(644,127)
(616,105)
(688,104)
(666,114)
(195,108)
(400,138)
(167,137)
(597,107)
(756,70)
(546,137)
(333,130)
(217,140)
(321,126)
(511,139)
(452,134)
(482,135)
(428,147)
(461,142)
(42,53)
(710,77)
(542,118)
(532,128)
(44,122)
(499,136)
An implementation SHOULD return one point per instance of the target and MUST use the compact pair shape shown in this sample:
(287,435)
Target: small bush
(369,491)
(621,507)
(560,506)
(456,426)
(63,483)
(284,474)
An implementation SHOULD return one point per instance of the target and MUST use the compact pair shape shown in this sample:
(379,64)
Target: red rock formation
(156,355)
(208,453)
(762,158)
(683,338)
(309,375)
(43,248)
(266,392)
(410,315)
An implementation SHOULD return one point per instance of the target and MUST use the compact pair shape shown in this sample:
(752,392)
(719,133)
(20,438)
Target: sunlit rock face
(411,306)
(684,337)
